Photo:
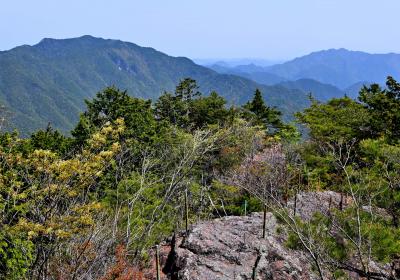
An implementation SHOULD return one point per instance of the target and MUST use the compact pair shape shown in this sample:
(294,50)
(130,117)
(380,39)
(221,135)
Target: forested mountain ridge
(48,82)
(320,91)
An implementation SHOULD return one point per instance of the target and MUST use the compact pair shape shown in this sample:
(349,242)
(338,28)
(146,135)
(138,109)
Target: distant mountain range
(233,62)
(48,82)
(341,68)
(251,71)
(325,74)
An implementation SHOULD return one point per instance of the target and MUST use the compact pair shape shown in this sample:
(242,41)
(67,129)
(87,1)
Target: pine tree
(262,114)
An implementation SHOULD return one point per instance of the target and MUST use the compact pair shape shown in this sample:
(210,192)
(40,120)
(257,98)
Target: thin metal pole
(186,213)
(265,221)
(158,262)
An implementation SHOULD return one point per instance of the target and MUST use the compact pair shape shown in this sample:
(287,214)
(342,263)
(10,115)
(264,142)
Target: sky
(269,29)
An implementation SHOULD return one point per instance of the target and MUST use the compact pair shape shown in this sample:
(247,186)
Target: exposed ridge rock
(232,248)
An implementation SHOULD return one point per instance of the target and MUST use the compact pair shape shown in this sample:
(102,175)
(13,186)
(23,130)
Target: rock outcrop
(307,203)
(233,248)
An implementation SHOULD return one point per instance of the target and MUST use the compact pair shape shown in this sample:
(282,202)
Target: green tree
(384,108)
(261,114)
(208,110)
(335,128)
(50,139)
(171,109)
(112,104)
(187,90)
(340,119)
(382,170)
(188,109)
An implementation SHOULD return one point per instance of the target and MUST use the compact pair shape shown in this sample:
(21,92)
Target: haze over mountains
(233,62)
(341,68)
(325,73)
(48,82)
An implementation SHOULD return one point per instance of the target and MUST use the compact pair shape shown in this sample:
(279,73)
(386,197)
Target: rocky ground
(233,247)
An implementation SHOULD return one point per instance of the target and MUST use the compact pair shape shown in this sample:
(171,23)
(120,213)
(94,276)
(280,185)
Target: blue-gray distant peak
(340,67)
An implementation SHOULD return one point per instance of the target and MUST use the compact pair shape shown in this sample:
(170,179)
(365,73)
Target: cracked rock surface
(233,248)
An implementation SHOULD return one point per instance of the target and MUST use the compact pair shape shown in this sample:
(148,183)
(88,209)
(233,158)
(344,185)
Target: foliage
(111,104)
(44,198)
(262,114)
(50,139)
(338,120)
(134,173)
(188,109)
(384,108)
(16,254)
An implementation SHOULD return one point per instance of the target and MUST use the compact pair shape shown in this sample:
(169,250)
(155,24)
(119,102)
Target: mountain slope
(354,90)
(341,68)
(320,91)
(48,82)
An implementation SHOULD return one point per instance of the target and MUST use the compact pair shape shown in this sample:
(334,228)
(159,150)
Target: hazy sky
(272,29)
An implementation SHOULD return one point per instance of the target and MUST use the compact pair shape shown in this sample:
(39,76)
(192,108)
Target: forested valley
(132,173)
